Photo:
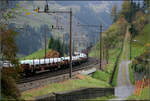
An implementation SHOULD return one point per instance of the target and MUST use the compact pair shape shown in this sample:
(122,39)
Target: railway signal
(46,10)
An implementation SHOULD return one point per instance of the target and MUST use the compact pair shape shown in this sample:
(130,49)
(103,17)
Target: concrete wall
(74,95)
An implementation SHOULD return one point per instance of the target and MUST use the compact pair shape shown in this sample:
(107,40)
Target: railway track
(55,73)
(52,77)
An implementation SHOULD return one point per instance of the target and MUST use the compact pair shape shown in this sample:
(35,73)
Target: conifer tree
(114,13)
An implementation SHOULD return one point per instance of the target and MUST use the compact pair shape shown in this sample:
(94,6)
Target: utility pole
(0,41)
(63,45)
(46,10)
(100,46)
(45,40)
(95,44)
(70,43)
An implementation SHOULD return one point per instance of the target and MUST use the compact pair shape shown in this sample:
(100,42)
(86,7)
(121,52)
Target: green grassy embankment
(36,55)
(101,76)
(143,38)
(105,75)
(72,84)
(138,47)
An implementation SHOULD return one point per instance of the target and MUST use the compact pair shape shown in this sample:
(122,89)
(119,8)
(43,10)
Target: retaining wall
(75,95)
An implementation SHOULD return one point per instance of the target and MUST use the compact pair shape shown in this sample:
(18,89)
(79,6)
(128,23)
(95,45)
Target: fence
(139,85)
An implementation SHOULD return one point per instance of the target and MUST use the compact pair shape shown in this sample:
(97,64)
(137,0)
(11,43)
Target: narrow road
(124,87)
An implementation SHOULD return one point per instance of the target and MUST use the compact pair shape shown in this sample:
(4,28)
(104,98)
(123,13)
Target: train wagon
(30,67)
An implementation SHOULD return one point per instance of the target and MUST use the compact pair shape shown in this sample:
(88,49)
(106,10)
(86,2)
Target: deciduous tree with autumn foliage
(9,75)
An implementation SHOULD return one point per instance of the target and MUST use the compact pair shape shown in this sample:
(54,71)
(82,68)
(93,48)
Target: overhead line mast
(100,26)
(46,10)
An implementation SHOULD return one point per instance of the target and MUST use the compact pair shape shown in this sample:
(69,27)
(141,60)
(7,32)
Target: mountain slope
(86,12)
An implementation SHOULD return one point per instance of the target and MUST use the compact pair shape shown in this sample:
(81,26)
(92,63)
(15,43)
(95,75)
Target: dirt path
(124,87)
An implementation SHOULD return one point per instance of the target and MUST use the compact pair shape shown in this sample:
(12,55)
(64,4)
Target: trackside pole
(70,43)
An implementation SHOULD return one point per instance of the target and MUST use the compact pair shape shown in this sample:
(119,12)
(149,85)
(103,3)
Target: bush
(139,68)
(10,72)
(141,62)
(8,85)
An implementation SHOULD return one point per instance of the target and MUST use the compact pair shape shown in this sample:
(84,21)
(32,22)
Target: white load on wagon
(41,61)
(52,60)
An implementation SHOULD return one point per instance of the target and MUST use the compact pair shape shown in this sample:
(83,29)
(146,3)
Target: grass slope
(38,54)
(107,72)
(64,86)
(101,76)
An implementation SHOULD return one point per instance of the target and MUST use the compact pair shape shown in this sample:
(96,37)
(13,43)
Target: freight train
(30,67)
